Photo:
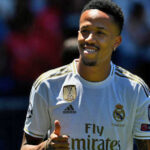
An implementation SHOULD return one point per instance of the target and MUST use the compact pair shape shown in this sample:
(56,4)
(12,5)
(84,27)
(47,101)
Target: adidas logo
(69,110)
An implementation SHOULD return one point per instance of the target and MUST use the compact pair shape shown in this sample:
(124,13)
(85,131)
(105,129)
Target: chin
(89,63)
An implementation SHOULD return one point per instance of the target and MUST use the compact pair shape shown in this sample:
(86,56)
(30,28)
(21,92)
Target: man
(90,104)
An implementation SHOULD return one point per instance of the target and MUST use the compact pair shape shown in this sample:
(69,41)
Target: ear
(117,42)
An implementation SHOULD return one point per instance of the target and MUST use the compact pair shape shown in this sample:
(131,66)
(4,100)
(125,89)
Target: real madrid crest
(119,113)
(69,93)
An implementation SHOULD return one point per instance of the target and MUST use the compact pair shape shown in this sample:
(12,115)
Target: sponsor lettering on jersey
(69,93)
(91,143)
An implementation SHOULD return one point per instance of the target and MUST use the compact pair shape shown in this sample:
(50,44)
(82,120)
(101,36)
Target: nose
(90,38)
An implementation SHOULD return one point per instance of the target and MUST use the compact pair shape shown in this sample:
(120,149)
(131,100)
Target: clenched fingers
(58,143)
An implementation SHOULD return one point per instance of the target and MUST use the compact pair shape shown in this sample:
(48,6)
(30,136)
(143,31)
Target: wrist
(43,146)
(47,144)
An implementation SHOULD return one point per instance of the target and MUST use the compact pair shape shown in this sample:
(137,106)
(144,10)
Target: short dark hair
(108,7)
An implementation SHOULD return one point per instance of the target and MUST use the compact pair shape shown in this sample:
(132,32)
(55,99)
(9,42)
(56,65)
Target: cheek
(106,42)
(107,46)
(80,37)
(80,40)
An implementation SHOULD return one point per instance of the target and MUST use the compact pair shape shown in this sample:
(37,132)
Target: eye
(84,31)
(100,33)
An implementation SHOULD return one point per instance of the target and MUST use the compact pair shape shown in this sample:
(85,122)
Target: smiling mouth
(90,51)
(89,48)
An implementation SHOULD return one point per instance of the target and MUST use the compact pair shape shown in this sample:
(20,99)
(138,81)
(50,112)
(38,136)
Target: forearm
(143,144)
(40,146)
(55,141)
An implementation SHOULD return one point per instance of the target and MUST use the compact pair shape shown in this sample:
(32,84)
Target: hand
(56,140)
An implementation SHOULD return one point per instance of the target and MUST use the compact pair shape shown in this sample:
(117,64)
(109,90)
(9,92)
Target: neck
(94,73)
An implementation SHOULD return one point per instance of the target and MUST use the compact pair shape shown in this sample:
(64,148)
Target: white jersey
(103,115)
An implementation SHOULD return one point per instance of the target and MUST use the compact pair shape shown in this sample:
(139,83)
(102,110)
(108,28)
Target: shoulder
(129,79)
(52,75)
(123,73)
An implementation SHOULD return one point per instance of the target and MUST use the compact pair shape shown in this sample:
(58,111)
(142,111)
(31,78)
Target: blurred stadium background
(32,37)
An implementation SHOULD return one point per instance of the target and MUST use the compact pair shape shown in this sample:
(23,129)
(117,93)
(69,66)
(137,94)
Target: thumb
(57,129)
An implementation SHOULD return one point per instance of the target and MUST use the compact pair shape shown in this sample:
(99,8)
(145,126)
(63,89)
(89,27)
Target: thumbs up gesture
(56,141)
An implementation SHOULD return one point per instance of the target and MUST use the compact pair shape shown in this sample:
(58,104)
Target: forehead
(95,15)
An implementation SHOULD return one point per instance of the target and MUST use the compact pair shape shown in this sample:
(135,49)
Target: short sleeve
(141,129)
(37,121)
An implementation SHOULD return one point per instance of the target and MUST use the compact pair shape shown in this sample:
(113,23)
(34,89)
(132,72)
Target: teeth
(90,50)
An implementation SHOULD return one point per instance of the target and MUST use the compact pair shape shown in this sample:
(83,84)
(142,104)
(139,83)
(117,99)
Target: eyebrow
(99,28)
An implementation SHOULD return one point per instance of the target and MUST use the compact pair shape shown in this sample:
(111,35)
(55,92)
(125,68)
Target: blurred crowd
(33,35)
